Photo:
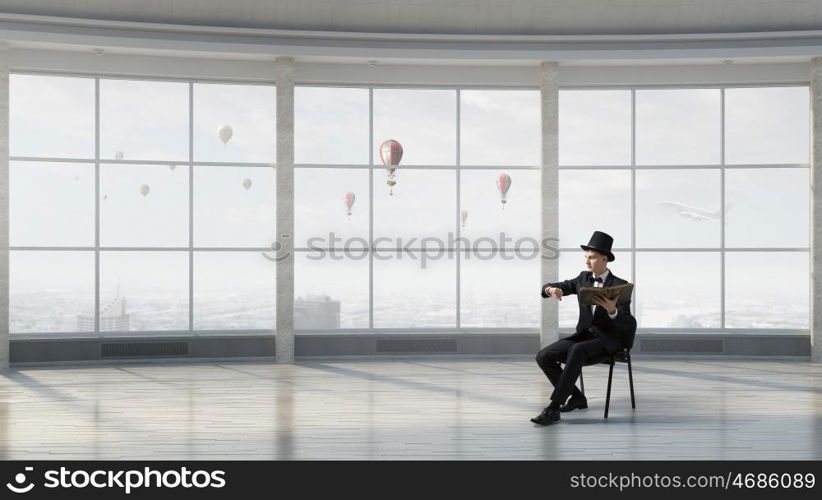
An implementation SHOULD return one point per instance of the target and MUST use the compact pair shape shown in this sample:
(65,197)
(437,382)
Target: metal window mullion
(722,208)
(457,218)
(634,303)
(371,206)
(190,206)
(97,206)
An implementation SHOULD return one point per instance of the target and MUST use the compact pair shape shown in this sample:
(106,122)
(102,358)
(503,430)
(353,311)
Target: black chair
(623,356)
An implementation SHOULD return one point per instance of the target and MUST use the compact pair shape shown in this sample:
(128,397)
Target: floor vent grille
(395,346)
(701,346)
(144,349)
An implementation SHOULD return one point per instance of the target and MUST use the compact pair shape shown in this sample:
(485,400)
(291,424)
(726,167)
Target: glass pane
(499,127)
(487,217)
(51,291)
(499,291)
(677,208)
(423,205)
(414,290)
(320,207)
(143,205)
(51,204)
(331,125)
(571,263)
(51,116)
(423,121)
(234,291)
(677,127)
(143,120)
(677,289)
(767,125)
(142,291)
(767,207)
(234,206)
(235,123)
(595,127)
(594,200)
(785,301)
(330,290)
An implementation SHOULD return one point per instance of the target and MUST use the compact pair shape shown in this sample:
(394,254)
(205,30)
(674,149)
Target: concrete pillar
(549,103)
(284,74)
(4,206)
(816,210)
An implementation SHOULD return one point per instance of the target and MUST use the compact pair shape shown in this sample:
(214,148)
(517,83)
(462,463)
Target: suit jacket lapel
(609,280)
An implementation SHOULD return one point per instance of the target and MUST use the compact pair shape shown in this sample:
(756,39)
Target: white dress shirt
(597,284)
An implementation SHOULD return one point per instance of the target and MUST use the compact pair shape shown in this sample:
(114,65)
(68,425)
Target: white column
(816,210)
(549,102)
(4,205)
(284,74)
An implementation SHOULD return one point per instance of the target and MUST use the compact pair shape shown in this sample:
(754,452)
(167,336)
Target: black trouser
(573,354)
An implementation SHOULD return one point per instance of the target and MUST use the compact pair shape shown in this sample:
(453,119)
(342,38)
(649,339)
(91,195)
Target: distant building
(113,318)
(316,312)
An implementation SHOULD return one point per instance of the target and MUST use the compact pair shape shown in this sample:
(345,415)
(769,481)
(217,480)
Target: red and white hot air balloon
(463,216)
(391,154)
(503,184)
(348,199)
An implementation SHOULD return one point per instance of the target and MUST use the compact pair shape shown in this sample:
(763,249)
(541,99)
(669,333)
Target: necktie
(597,280)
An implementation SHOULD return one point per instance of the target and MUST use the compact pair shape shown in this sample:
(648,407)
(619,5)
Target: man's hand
(554,292)
(608,304)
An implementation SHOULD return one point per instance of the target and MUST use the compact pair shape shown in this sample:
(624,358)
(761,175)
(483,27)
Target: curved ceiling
(479,17)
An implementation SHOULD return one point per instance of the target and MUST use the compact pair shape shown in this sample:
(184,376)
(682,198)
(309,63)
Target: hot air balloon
(463,216)
(144,189)
(246,184)
(118,155)
(348,199)
(105,196)
(172,166)
(224,133)
(391,154)
(503,184)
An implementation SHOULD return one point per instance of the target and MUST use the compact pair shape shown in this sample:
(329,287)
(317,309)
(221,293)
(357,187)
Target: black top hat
(602,243)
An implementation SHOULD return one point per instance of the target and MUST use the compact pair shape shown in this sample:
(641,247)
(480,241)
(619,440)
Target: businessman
(604,328)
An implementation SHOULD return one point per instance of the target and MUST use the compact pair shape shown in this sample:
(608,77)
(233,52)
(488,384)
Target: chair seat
(619,357)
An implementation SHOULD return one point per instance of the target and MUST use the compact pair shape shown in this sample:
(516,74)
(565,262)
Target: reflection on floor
(408,408)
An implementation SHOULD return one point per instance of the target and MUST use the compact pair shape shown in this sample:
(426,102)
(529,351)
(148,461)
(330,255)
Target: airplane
(694,213)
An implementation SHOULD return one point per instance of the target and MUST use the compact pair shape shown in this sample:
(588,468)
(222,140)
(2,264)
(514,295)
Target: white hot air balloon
(118,155)
(225,132)
(172,166)
(247,184)
(144,189)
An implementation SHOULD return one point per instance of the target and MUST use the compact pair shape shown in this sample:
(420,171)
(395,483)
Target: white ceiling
(510,17)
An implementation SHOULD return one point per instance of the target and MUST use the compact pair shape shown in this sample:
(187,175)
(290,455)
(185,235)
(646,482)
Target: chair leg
(608,394)
(631,382)
(581,383)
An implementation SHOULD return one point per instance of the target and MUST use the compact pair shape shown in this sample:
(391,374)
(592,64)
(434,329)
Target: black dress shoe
(547,417)
(574,403)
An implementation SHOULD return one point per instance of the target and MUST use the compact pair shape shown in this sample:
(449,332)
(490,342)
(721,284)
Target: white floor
(440,408)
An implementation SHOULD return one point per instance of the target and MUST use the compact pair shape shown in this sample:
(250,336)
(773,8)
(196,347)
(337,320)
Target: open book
(623,291)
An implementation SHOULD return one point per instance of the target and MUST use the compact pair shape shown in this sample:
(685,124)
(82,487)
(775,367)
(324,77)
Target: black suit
(596,334)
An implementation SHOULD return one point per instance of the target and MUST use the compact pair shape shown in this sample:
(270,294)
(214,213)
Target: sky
(52,203)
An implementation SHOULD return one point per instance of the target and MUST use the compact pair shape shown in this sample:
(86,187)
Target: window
(664,204)
(419,267)
(145,232)
(677,127)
